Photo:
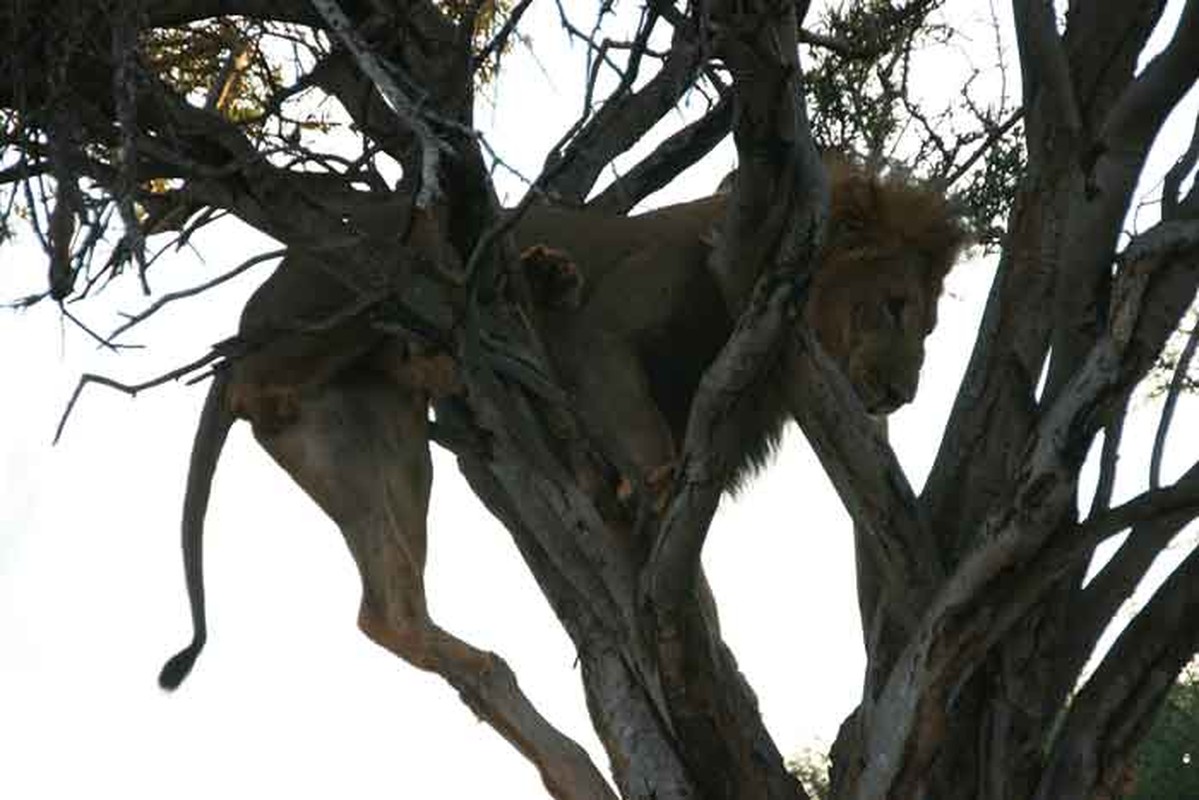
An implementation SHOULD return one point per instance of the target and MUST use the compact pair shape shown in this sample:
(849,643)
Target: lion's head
(873,299)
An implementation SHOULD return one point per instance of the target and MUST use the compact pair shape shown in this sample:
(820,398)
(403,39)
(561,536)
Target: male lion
(651,315)
(345,411)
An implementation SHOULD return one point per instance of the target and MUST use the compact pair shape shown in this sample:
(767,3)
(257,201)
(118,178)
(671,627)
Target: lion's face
(873,296)
(874,327)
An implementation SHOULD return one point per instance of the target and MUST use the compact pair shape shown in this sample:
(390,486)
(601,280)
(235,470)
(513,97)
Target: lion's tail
(215,421)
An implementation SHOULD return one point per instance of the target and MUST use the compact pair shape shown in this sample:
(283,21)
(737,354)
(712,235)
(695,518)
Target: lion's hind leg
(359,447)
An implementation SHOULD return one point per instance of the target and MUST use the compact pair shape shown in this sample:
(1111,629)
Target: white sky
(289,699)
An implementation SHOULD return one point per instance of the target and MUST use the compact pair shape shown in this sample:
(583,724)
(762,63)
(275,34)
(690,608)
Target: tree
(1166,761)
(811,766)
(154,119)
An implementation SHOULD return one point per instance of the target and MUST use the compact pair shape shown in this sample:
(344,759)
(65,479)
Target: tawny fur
(652,316)
(633,317)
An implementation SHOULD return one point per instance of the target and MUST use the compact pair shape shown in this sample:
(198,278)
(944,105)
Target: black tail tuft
(179,665)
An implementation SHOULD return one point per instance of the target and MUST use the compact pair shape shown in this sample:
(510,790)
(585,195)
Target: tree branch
(337,75)
(1141,109)
(770,236)
(962,623)
(1113,434)
(406,108)
(500,40)
(671,157)
(171,297)
(1044,62)
(1097,603)
(1172,205)
(1163,425)
(869,480)
(1111,172)
(1116,706)
(168,13)
(993,136)
(623,120)
(129,389)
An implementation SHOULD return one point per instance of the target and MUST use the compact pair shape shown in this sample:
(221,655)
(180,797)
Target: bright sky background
(289,699)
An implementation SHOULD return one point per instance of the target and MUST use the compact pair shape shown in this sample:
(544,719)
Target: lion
(632,315)
(652,314)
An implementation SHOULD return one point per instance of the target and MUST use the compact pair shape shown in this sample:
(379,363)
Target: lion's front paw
(554,278)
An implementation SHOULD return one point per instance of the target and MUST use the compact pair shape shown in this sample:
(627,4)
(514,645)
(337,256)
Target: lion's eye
(895,307)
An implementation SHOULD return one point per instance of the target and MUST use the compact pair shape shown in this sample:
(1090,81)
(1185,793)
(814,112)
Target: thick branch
(1114,709)
(671,157)
(585,572)
(623,120)
(337,75)
(1043,61)
(771,233)
(1099,601)
(1060,244)
(962,622)
(406,108)
(867,476)
(1138,114)
(1124,139)
(769,238)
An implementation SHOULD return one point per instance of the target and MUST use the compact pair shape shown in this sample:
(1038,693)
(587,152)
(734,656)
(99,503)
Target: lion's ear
(946,237)
(854,205)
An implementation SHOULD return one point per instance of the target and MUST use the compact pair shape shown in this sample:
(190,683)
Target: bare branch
(993,136)
(623,120)
(1163,425)
(500,40)
(1044,61)
(671,157)
(170,297)
(129,389)
(1113,432)
(406,108)
(1166,239)
(958,628)
(1114,708)
(1096,605)
(1138,114)
(778,247)
(869,480)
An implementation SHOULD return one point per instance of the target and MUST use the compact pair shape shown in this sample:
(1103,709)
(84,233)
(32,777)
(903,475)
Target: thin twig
(203,287)
(995,135)
(100,339)
(500,40)
(130,390)
(553,164)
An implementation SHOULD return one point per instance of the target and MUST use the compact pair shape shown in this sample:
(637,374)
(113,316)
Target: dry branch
(170,297)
